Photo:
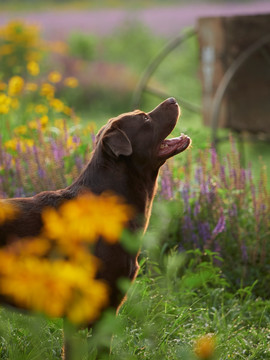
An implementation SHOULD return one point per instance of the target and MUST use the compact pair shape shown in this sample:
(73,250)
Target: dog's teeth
(162,146)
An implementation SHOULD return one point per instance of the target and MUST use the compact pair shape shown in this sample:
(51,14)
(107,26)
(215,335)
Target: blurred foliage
(21,49)
(39,4)
(83,46)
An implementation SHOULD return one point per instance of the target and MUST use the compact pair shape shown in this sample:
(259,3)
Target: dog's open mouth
(171,147)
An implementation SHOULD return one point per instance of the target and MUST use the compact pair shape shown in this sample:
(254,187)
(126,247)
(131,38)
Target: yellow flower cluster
(5,102)
(15,85)
(86,218)
(20,48)
(205,346)
(19,144)
(33,68)
(71,82)
(57,288)
(8,100)
(55,273)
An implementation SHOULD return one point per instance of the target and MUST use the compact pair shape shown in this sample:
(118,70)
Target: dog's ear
(117,141)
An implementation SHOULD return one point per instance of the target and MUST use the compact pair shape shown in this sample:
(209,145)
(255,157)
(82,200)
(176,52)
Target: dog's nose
(172,100)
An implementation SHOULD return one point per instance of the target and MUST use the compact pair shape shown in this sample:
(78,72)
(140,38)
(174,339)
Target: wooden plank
(246,104)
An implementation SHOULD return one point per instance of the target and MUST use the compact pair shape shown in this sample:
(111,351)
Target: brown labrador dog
(127,155)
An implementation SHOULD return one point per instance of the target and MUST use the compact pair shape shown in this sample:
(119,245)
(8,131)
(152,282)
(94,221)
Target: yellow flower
(57,105)
(71,144)
(5,102)
(47,90)
(33,68)
(39,123)
(19,144)
(33,125)
(54,77)
(41,109)
(15,85)
(11,144)
(205,346)
(20,130)
(60,124)
(71,82)
(7,211)
(67,110)
(108,217)
(44,121)
(58,288)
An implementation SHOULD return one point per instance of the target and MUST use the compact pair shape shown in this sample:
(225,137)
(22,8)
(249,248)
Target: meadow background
(203,288)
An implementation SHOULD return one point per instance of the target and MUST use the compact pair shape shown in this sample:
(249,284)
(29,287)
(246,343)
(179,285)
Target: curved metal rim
(165,51)
(228,76)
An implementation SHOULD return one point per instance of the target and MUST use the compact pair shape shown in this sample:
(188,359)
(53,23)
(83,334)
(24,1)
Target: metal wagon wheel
(150,70)
(221,90)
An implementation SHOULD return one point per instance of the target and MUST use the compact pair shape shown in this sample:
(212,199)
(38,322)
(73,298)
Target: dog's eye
(146,118)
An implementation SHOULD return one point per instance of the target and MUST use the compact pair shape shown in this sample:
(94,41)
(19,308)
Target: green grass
(163,316)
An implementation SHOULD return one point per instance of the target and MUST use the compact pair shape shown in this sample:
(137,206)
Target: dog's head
(141,136)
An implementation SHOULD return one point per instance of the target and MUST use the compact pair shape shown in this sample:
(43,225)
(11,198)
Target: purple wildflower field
(223,210)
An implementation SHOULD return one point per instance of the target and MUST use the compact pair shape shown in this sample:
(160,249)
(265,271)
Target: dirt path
(165,21)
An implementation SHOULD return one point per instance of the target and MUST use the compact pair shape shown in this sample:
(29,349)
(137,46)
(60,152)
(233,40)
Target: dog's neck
(97,178)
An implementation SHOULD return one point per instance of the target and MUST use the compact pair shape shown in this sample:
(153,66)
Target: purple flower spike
(220,226)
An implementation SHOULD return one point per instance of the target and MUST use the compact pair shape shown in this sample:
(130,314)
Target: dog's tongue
(170,147)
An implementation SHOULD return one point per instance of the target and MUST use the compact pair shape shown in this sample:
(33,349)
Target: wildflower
(44,121)
(41,109)
(7,211)
(47,90)
(205,346)
(60,124)
(54,77)
(71,144)
(21,144)
(31,87)
(108,217)
(11,144)
(71,82)
(39,123)
(220,226)
(57,104)
(58,288)
(33,68)
(67,110)
(20,130)
(15,85)
(4,103)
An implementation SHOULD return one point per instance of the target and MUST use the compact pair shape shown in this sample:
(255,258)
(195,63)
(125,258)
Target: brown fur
(125,161)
